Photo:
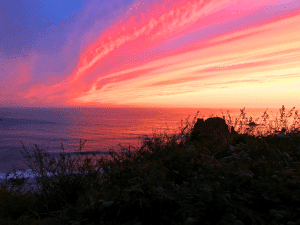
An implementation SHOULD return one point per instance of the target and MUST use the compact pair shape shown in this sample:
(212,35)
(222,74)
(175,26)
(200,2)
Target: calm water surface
(103,128)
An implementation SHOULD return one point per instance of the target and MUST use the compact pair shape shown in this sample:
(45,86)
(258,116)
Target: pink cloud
(21,75)
(161,24)
(246,59)
(168,74)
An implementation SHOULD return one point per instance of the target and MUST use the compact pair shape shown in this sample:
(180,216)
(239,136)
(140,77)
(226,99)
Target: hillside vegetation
(168,180)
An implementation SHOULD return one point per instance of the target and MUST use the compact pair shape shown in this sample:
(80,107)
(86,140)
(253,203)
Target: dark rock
(215,128)
(233,132)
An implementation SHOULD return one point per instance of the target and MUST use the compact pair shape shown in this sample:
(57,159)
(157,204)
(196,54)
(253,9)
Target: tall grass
(168,180)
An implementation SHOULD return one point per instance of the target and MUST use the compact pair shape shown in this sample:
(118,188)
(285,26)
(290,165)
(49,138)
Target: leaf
(134,180)
(247,195)
(137,188)
(276,200)
(107,204)
(273,212)
(176,172)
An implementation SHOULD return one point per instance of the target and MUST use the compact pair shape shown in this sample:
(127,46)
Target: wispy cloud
(183,53)
(255,57)
(162,24)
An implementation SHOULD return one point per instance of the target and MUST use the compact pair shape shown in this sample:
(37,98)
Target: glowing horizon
(183,54)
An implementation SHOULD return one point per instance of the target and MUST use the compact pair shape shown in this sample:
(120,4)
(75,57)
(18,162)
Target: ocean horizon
(102,128)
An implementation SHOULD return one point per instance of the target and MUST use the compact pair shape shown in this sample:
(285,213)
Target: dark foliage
(170,179)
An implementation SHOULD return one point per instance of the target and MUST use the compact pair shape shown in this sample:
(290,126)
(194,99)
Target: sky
(127,53)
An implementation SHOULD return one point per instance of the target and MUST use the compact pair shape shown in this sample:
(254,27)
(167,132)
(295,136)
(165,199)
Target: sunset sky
(183,53)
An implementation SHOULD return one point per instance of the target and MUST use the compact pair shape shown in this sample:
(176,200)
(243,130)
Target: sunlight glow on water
(103,128)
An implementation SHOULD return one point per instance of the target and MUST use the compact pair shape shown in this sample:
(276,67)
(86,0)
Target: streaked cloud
(175,54)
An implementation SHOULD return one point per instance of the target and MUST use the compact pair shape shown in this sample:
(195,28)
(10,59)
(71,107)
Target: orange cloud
(245,63)
(231,68)
(162,24)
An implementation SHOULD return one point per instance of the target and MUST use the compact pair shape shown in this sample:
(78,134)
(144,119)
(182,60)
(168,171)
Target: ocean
(102,128)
